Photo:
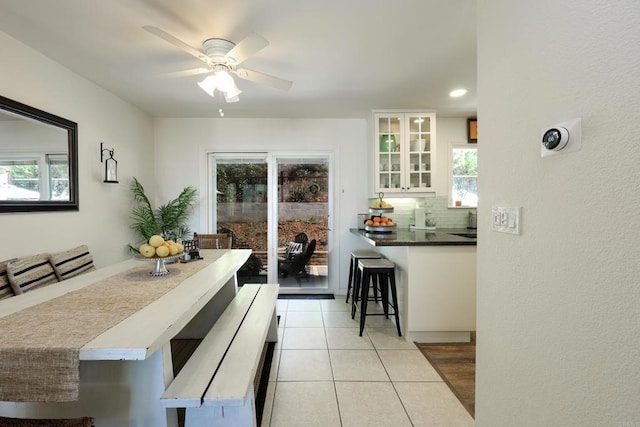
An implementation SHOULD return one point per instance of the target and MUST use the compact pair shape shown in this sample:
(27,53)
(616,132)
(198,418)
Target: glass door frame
(273,219)
(271,158)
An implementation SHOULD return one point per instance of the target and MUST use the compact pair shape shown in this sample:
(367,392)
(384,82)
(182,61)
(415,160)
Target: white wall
(103,219)
(559,306)
(449,131)
(182,144)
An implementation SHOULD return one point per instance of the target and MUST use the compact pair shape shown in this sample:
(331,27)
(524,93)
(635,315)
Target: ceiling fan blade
(184,73)
(247,47)
(264,79)
(176,42)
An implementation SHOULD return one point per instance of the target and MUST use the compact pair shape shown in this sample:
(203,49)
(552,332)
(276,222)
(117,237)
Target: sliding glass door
(267,201)
(303,217)
(240,208)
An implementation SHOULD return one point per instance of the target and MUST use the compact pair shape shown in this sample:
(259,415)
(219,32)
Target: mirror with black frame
(38,160)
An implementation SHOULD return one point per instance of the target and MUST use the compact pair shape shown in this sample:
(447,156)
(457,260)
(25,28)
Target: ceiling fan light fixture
(208,85)
(223,81)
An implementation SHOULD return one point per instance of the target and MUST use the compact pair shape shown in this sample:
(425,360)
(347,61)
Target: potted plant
(168,220)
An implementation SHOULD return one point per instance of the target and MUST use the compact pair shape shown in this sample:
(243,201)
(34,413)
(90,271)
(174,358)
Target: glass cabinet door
(388,151)
(420,154)
(404,152)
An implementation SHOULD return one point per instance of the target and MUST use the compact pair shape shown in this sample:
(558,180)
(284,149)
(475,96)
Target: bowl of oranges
(379,224)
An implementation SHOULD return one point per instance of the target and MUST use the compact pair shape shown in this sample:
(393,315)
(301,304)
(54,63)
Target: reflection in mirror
(38,160)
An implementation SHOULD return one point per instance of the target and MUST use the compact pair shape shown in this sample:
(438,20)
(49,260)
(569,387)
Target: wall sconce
(110,165)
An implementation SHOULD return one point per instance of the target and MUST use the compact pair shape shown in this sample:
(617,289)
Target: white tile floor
(324,374)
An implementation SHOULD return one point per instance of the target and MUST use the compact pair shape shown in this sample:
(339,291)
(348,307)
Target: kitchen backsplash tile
(438,208)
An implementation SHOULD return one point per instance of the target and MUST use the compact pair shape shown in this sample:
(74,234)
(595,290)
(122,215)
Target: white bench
(216,384)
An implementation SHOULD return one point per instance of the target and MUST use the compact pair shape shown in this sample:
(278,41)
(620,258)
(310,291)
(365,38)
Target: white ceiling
(345,57)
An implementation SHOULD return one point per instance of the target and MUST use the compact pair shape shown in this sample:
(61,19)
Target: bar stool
(382,273)
(356,255)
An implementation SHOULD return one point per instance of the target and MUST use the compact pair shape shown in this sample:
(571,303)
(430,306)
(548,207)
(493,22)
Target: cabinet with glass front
(404,152)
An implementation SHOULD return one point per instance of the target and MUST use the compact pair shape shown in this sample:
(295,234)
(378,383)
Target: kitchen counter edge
(407,237)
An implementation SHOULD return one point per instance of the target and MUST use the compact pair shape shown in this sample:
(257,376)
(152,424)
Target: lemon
(162,251)
(173,249)
(156,241)
(147,250)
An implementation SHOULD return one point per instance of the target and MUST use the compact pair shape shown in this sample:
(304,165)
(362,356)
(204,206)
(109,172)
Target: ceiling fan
(222,58)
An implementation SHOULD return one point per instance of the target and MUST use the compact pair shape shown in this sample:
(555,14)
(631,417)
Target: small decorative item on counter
(430,224)
(379,223)
(381,205)
(473,220)
(362,219)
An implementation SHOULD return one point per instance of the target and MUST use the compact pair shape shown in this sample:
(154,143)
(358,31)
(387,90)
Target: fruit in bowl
(156,241)
(147,250)
(381,204)
(158,247)
(163,251)
(380,221)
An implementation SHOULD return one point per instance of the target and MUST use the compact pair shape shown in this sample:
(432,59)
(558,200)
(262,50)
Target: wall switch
(496,218)
(506,219)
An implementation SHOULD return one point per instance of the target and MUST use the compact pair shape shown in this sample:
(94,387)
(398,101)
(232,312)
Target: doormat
(306,296)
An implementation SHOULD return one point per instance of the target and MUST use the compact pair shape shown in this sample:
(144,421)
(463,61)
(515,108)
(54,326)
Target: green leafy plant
(168,220)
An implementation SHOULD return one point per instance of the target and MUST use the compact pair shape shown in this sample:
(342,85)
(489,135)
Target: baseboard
(306,296)
(438,337)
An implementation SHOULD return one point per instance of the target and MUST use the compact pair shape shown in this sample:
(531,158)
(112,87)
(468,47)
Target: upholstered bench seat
(20,275)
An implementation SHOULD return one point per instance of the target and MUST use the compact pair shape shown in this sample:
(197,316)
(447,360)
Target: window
(19,179)
(34,177)
(464,175)
(58,168)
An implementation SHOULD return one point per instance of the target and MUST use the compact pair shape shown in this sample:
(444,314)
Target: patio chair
(297,265)
(302,238)
(212,241)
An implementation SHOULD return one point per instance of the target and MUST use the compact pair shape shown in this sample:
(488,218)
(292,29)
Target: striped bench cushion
(72,262)
(26,274)
(5,287)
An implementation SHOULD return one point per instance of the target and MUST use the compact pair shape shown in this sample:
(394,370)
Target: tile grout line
(333,377)
(390,380)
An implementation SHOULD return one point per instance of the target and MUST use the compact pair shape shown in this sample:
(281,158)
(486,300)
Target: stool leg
(394,296)
(364,298)
(384,293)
(357,284)
(350,279)
(375,288)
(375,285)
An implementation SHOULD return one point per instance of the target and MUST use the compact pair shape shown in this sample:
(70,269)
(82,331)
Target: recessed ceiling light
(457,93)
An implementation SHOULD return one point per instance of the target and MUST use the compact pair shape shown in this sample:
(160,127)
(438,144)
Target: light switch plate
(506,219)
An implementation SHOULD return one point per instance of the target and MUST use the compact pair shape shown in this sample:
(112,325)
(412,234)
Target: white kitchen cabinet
(404,159)
(436,291)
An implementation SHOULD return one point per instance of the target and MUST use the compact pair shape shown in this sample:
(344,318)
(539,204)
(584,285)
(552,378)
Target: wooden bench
(216,384)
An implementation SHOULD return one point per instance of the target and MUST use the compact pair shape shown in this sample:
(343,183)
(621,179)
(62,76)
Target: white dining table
(125,369)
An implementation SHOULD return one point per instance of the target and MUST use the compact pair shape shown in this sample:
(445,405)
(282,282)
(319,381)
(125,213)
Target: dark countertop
(406,237)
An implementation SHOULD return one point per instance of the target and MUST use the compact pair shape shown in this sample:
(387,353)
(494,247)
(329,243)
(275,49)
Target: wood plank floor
(456,364)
